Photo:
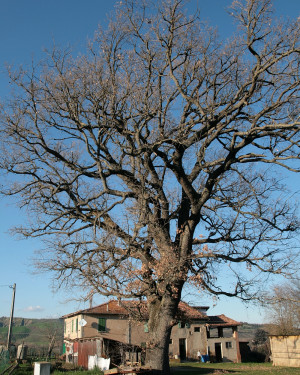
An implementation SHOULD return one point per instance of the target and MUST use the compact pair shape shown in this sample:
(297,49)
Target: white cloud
(34,309)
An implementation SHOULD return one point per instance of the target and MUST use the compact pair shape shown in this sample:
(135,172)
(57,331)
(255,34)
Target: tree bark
(161,320)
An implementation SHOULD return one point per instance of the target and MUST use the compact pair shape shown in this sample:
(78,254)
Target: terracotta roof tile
(122,308)
(190,312)
(222,321)
(108,308)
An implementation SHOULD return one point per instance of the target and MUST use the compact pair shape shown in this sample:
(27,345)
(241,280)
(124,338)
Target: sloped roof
(190,312)
(108,308)
(114,307)
(222,321)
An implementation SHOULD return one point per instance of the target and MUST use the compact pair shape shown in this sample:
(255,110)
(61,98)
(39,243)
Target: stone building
(120,331)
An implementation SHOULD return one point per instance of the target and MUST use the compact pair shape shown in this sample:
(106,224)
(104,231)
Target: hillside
(33,332)
(247,330)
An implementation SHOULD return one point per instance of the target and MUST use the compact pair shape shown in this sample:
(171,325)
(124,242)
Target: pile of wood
(128,371)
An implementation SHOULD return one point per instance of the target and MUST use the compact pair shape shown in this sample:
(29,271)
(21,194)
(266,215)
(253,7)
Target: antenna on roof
(90,297)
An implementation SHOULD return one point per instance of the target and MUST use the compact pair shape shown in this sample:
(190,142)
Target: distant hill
(247,330)
(32,332)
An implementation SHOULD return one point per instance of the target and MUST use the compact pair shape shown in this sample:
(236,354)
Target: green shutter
(77,325)
(179,325)
(101,324)
(72,325)
(146,328)
(187,325)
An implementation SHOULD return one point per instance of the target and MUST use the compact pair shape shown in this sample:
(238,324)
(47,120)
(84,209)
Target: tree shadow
(186,369)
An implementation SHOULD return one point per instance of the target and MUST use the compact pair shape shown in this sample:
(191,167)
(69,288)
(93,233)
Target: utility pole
(11,316)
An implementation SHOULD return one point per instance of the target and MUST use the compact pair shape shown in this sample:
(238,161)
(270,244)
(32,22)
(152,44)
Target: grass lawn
(28,370)
(232,368)
(193,368)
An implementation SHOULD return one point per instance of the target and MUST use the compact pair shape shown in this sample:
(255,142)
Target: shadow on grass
(186,369)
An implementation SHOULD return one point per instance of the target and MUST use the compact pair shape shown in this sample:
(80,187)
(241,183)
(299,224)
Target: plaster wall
(116,328)
(195,340)
(285,350)
(72,329)
(228,348)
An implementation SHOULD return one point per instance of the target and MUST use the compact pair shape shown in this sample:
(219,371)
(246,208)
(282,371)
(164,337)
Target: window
(208,332)
(196,329)
(101,325)
(228,344)
(65,326)
(72,325)
(170,342)
(146,328)
(183,325)
(76,325)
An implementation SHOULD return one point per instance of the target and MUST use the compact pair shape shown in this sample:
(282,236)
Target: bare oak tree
(152,161)
(283,306)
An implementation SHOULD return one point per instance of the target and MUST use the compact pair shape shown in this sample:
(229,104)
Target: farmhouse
(119,331)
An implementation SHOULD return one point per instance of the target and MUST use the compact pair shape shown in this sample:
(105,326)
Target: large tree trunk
(161,320)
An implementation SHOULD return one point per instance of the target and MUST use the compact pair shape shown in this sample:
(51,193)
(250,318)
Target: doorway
(218,351)
(182,349)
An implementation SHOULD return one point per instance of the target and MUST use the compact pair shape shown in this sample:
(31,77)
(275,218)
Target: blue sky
(27,27)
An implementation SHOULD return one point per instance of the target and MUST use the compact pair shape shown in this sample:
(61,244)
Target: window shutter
(101,324)
(146,328)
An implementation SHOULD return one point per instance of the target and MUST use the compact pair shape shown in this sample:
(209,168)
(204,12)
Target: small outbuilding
(285,350)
